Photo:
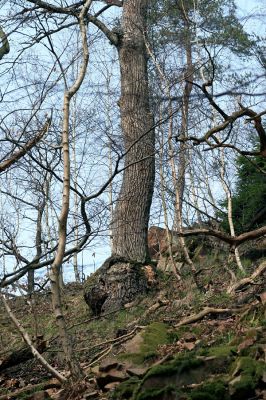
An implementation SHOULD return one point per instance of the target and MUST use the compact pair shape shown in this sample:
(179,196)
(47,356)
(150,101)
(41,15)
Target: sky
(94,257)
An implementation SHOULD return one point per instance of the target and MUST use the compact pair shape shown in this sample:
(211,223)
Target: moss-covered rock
(247,373)
(126,389)
(215,390)
(154,335)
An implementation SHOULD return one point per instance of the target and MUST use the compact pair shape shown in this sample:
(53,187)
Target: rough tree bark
(131,215)
(121,278)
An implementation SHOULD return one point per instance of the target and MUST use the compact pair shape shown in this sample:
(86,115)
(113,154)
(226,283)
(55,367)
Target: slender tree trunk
(131,215)
(38,245)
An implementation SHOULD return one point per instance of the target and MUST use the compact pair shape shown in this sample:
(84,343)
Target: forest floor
(175,343)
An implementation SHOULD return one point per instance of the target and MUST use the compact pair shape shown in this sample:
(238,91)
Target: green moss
(249,366)
(154,335)
(126,389)
(250,372)
(221,299)
(178,365)
(245,385)
(156,394)
(221,351)
(210,391)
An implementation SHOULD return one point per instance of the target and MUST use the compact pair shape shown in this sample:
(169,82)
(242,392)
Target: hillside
(176,343)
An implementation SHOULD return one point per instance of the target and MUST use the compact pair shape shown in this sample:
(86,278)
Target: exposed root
(202,314)
(249,280)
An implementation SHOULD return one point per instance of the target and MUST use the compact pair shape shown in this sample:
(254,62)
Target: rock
(111,386)
(133,345)
(245,344)
(189,345)
(139,372)
(262,298)
(107,364)
(108,377)
(95,369)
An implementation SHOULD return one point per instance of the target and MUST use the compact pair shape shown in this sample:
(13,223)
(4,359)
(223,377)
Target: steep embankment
(176,343)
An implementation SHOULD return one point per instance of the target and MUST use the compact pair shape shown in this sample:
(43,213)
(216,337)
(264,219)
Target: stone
(111,376)
(111,386)
(133,345)
(107,364)
(139,372)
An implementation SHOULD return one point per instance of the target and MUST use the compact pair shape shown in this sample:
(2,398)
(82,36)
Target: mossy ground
(215,336)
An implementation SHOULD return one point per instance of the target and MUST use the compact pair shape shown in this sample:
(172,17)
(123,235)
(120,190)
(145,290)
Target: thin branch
(27,339)
(25,148)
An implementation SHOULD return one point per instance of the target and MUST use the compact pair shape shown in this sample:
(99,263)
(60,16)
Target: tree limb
(25,148)
(27,339)
(4,49)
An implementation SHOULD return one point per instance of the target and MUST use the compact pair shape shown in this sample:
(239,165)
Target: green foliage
(217,24)
(248,200)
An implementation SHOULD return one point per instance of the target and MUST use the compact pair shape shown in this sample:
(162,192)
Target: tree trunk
(131,215)
(122,277)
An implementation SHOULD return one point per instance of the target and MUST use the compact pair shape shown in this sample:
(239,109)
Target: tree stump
(117,282)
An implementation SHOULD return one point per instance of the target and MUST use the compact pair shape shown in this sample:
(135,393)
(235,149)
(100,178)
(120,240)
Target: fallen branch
(30,388)
(27,339)
(100,356)
(202,314)
(249,280)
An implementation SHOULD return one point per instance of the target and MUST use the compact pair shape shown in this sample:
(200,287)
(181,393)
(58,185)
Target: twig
(100,356)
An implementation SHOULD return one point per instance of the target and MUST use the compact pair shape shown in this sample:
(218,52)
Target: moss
(154,335)
(178,365)
(210,391)
(126,389)
(250,372)
(245,385)
(249,366)
(156,394)
(221,351)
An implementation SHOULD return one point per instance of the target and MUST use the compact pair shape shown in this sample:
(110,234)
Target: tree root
(202,314)
(249,280)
